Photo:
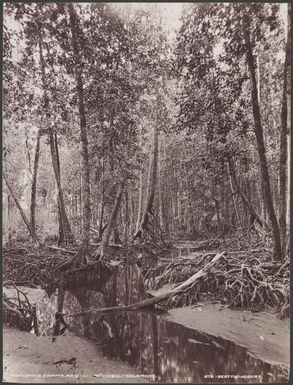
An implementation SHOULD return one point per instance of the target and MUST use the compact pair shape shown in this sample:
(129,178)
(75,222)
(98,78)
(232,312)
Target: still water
(169,351)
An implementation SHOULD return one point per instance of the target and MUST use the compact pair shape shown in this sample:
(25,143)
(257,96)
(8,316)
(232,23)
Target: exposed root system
(241,282)
(17,310)
(240,279)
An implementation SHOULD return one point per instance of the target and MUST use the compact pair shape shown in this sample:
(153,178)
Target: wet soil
(31,359)
(263,334)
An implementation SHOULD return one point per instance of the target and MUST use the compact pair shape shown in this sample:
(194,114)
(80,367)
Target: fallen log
(159,298)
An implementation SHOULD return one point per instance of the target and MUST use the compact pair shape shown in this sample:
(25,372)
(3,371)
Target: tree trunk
(126,217)
(132,219)
(258,130)
(283,170)
(102,202)
(65,235)
(34,184)
(245,201)
(9,224)
(140,199)
(86,214)
(160,186)
(152,181)
(27,223)
(106,235)
(168,192)
(219,220)
(140,196)
(60,302)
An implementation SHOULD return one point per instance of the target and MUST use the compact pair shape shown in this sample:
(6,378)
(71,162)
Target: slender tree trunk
(111,223)
(71,211)
(127,284)
(283,170)
(60,302)
(65,235)
(27,223)
(258,130)
(9,220)
(245,201)
(168,198)
(126,217)
(192,231)
(76,221)
(80,201)
(83,134)
(132,220)
(101,227)
(160,186)
(140,199)
(140,196)
(34,184)
(102,201)
(152,181)
(219,220)
(233,196)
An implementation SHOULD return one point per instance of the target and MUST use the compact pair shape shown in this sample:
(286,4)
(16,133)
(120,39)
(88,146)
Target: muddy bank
(30,359)
(263,334)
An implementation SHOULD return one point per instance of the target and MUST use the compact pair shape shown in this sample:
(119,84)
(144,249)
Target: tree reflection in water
(172,352)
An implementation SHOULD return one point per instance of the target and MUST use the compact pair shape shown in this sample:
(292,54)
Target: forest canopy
(121,123)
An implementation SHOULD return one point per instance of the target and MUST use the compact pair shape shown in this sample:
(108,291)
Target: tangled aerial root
(17,311)
(29,265)
(240,282)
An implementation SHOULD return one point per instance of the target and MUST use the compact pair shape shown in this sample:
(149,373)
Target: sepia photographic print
(146,158)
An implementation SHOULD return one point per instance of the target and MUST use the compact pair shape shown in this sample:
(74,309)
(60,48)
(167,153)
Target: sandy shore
(30,359)
(263,334)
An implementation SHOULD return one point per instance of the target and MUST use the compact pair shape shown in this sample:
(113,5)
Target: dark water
(169,351)
(174,353)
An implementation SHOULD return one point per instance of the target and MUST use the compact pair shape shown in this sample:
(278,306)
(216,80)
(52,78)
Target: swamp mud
(155,346)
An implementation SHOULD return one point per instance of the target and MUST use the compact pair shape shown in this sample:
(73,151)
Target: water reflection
(178,354)
(172,352)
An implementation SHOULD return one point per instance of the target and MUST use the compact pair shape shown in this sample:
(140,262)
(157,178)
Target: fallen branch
(159,298)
